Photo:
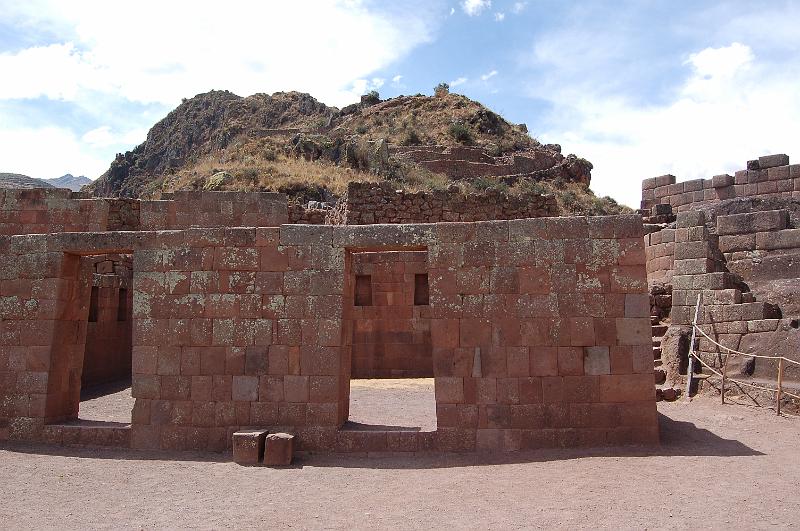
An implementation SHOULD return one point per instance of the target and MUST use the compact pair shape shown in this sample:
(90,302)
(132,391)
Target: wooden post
(690,370)
(780,385)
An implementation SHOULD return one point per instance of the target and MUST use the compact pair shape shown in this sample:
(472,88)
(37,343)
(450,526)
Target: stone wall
(307,216)
(730,313)
(539,328)
(184,209)
(660,253)
(369,203)
(769,176)
(42,210)
(392,326)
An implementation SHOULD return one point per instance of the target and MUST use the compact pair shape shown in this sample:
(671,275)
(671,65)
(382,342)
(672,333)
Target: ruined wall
(368,203)
(769,176)
(391,326)
(462,162)
(540,333)
(306,216)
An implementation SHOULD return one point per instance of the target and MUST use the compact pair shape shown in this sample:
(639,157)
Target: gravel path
(718,466)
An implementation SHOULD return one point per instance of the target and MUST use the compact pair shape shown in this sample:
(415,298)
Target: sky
(639,88)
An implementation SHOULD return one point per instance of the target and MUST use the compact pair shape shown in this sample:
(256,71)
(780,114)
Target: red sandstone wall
(186,209)
(391,336)
(540,333)
(38,210)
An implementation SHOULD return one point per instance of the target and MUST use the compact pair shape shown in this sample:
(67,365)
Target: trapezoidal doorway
(391,385)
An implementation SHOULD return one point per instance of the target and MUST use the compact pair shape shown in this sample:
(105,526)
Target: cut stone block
(771,161)
(752,222)
(248,446)
(279,449)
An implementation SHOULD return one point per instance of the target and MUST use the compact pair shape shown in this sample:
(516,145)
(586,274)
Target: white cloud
(731,107)
(104,136)
(518,7)
(489,75)
(396,79)
(457,82)
(48,152)
(185,49)
(499,16)
(452,11)
(475,7)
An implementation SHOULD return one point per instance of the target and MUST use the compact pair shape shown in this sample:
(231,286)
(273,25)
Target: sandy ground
(718,466)
(108,402)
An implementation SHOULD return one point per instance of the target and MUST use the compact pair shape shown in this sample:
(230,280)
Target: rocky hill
(16,180)
(290,142)
(69,181)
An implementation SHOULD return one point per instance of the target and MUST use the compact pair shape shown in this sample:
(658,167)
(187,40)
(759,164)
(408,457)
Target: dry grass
(260,166)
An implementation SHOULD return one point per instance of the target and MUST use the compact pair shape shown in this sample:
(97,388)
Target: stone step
(656,353)
(668,394)
(660,376)
(659,330)
(657,363)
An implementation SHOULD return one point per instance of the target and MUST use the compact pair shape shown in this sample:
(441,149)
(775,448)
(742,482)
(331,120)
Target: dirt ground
(718,466)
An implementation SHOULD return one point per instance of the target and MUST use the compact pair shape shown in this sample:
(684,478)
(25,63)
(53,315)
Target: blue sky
(638,88)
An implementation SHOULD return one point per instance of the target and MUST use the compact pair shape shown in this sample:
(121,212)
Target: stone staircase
(663,392)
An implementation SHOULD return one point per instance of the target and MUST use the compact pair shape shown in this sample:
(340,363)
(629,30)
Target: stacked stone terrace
(539,328)
(738,248)
(462,162)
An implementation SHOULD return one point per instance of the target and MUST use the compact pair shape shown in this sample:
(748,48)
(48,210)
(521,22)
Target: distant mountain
(69,181)
(15,180)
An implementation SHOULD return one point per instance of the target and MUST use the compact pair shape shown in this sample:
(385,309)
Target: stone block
(691,218)
(278,449)
(781,239)
(694,249)
(693,266)
(248,446)
(633,331)
(751,222)
(778,173)
(596,361)
(771,161)
(721,181)
(739,242)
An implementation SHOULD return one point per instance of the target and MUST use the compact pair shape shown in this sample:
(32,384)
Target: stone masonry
(539,329)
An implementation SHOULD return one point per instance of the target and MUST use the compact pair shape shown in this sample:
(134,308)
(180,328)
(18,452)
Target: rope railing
(732,352)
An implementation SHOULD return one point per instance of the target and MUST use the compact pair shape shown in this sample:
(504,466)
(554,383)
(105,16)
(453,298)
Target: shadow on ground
(677,439)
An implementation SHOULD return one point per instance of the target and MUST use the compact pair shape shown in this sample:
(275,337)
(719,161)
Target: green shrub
(460,133)
(411,138)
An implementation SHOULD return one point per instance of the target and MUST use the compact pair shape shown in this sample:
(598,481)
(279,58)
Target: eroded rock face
(675,353)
